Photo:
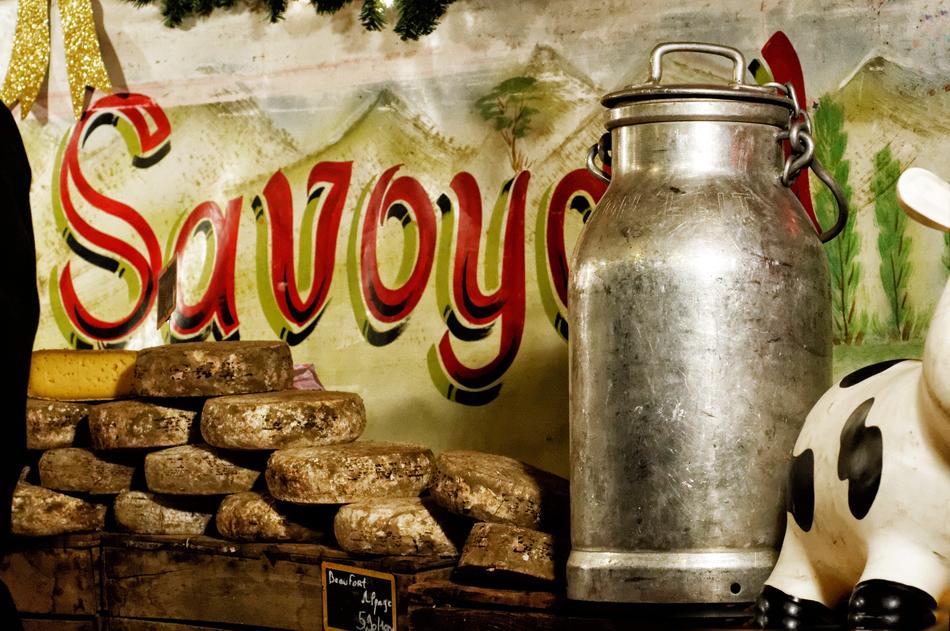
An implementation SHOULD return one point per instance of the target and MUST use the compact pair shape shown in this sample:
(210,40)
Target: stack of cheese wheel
(185,477)
(266,424)
(189,434)
(251,417)
(247,409)
(377,487)
(171,431)
(522,515)
(75,478)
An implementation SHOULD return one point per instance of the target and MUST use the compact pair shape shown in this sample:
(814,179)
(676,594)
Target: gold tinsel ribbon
(30,58)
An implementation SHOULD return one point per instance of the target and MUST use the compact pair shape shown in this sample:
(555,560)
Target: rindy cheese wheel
(208,369)
(39,512)
(339,474)
(200,470)
(277,420)
(151,514)
(396,527)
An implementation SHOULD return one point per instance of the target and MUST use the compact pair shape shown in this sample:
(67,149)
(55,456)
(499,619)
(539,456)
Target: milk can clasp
(802,156)
(798,131)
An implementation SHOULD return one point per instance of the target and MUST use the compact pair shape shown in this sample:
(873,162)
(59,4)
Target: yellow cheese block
(86,375)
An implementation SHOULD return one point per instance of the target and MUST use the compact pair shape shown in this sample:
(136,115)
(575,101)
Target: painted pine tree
(831,141)
(509,108)
(893,244)
(946,250)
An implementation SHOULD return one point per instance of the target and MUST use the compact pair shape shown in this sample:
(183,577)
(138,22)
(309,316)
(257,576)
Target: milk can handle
(840,199)
(656,57)
(601,149)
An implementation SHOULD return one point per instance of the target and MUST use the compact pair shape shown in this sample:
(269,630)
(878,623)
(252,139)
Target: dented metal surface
(700,336)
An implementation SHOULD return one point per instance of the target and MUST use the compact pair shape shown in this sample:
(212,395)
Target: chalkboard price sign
(355,599)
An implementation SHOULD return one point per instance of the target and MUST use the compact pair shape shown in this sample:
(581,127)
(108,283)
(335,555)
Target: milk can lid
(735,90)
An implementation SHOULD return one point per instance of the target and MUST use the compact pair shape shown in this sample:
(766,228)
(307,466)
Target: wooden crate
(134,624)
(207,581)
(60,624)
(122,582)
(55,581)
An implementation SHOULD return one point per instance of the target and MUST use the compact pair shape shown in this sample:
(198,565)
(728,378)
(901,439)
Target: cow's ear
(925,197)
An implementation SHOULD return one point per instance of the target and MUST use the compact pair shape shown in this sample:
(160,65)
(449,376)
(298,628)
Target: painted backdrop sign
(402,214)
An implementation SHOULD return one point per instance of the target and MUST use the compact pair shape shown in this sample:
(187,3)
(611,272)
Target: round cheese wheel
(139,425)
(200,470)
(51,424)
(495,488)
(255,516)
(208,369)
(39,512)
(83,470)
(396,527)
(150,514)
(277,420)
(341,474)
(511,552)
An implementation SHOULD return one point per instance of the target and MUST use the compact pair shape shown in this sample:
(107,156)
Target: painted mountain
(531,110)
(385,131)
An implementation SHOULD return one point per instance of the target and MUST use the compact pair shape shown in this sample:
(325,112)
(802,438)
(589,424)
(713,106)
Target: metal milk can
(700,319)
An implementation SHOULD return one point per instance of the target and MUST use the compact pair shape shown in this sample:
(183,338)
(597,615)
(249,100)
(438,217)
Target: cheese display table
(134,582)
(126,582)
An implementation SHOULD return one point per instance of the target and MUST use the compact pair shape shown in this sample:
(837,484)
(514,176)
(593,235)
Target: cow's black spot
(800,501)
(860,459)
(867,372)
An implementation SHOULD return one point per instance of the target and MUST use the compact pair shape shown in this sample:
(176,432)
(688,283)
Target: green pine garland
(417,18)
(276,9)
(203,7)
(173,11)
(373,15)
(328,6)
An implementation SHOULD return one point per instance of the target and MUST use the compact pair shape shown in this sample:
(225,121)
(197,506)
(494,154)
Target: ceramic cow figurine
(869,485)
